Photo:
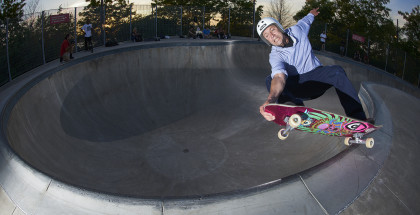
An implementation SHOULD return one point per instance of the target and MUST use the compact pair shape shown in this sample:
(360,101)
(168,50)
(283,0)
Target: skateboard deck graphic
(320,122)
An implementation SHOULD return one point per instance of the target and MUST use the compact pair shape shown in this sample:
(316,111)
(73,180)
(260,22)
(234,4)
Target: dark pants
(88,43)
(313,84)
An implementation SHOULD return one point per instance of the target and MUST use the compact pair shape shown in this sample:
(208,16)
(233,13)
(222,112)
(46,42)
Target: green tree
(411,30)
(117,13)
(327,10)
(192,12)
(12,9)
(12,12)
(368,18)
(241,16)
(241,13)
(365,17)
(117,20)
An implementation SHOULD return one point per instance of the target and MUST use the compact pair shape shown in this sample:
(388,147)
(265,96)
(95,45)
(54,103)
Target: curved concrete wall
(159,93)
(156,122)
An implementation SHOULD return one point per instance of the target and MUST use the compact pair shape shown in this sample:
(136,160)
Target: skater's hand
(267,116)
(314,11)
(277,85)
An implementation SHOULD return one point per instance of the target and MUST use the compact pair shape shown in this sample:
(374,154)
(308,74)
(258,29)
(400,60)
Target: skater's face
(273,35)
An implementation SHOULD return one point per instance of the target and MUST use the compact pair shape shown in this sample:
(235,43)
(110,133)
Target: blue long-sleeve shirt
(299,58)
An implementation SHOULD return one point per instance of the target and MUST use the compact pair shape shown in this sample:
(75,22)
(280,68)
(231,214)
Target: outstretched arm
(277,86)
(314,11)
(305,23)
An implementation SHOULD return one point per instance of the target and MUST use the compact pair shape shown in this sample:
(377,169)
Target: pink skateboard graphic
(320,122)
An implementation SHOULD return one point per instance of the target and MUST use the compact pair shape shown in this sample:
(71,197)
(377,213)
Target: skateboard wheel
(282,134)
(369,143)
(347,141)
(295,120)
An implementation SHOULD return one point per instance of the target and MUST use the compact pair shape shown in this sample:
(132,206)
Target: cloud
(79,3)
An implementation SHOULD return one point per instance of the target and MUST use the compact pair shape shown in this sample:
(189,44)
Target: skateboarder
(297,74)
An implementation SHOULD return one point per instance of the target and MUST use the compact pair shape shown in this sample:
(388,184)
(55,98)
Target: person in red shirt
(65,51)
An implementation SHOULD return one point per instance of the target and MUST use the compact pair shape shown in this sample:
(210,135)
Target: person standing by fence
(323,38)
(342,48)
(87,28)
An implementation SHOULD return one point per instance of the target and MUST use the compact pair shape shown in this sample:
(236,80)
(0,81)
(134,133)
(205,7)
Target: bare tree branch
(31,7)
(281,11)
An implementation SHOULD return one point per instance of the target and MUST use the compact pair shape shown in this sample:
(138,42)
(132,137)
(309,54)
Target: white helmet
(264,23)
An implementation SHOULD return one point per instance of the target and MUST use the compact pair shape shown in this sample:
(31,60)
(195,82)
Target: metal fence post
(405,58)
(75,29)
(103,24)
(418,81)
(229,23)
(204,14)
(253,22)
(325,43)
(156,25)
(7,48)
(102,19)
(131,9)
(181,22)
(42,37)
(347,41)
(386,59)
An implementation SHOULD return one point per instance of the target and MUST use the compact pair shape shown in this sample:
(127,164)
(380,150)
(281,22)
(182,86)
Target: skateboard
(321,122)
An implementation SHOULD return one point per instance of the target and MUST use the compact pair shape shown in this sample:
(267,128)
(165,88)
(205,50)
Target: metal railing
(33,41)
(382,55)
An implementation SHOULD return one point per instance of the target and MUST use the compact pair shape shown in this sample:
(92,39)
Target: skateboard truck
(292,122)
(357,139)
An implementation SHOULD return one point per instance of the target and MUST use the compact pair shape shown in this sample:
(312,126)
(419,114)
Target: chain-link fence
(35,39)
(359,47)
(4,66)
(24,46)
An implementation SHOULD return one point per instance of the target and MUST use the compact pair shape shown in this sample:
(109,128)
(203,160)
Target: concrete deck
(173,127)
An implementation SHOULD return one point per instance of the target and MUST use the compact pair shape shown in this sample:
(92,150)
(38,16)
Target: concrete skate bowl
(164,121)
(159,122)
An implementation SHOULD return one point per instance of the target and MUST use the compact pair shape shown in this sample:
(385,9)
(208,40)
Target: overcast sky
(394,5)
